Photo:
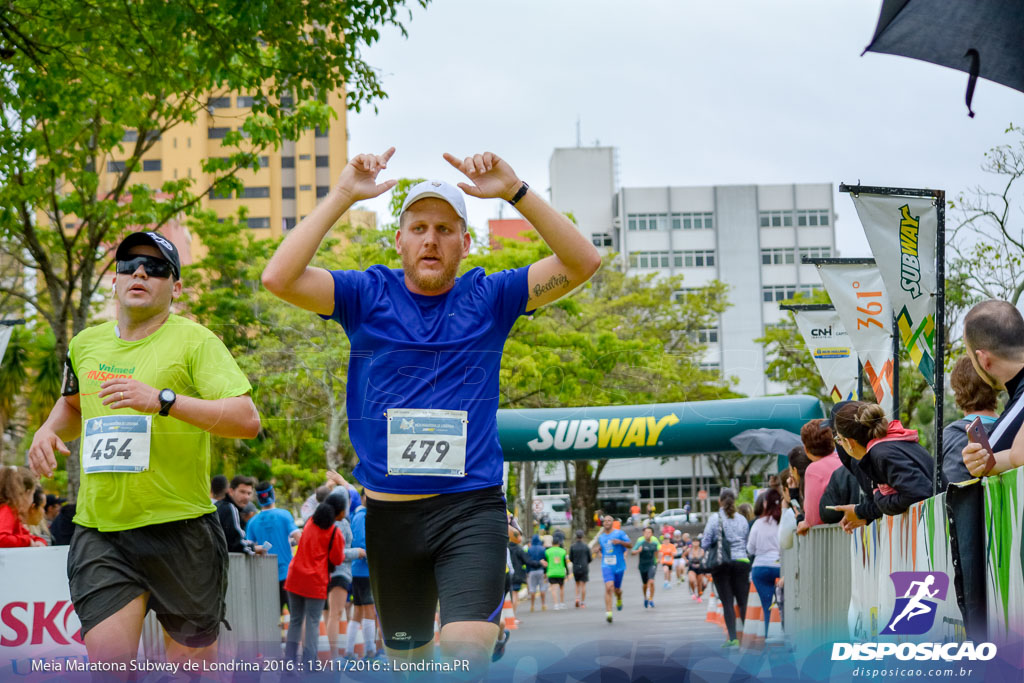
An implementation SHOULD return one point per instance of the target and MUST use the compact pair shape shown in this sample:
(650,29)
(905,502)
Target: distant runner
(614,543)
(647,548)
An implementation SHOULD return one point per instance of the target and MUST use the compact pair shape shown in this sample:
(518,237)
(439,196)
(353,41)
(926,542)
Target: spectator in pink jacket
(820,448)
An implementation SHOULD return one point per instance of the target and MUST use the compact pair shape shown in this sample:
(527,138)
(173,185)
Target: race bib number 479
(116,443)
(427,442)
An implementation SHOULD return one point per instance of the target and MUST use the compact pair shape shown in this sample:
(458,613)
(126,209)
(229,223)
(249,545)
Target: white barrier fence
(838,586)
(816,585)
(37,620)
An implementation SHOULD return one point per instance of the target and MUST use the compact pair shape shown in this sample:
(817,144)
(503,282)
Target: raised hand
(491,176)
(358,180)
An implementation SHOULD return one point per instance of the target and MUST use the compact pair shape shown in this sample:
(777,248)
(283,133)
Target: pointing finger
(388,154)
(453,161)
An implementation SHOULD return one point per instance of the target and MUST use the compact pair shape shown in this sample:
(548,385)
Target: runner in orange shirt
(668,553)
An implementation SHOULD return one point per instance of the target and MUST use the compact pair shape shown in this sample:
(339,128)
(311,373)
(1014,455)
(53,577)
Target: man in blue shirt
(614,543)
(276,526)
(423,390)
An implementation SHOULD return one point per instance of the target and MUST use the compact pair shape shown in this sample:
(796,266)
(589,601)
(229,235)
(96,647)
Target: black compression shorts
(455,552)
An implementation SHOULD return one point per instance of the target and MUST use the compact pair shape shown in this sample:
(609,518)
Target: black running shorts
(361,593)
(648,573)
(453,550)
(182,565)
(339,582)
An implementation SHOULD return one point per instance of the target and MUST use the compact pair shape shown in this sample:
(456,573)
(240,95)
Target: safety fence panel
(916,541)
(1004,526)
(816,585)
(38,622)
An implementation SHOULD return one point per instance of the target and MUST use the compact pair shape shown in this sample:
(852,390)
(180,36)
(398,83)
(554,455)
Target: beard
(431,280)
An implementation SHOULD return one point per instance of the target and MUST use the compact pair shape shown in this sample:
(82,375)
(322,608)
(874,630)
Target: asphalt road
(574,639)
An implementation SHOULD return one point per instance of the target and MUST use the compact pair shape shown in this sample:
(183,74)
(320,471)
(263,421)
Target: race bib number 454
(427,442)
(116,443)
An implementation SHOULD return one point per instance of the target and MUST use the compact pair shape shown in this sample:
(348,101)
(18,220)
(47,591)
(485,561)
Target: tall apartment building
(751,237)
(288,184)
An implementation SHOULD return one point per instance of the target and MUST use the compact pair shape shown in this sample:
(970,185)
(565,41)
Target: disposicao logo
(917,596)
(914,612)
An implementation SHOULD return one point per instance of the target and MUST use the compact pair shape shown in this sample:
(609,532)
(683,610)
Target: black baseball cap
(153,239)
(54,500)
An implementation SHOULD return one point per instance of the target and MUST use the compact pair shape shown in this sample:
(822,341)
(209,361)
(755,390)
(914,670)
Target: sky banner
(902,233)
(833,354)
(860,300)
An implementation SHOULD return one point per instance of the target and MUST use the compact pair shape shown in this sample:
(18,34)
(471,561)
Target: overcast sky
(691,93)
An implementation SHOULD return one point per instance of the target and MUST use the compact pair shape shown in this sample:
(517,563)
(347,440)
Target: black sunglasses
(154,267)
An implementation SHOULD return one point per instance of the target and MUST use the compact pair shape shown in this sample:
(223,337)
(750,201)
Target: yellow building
(289,183)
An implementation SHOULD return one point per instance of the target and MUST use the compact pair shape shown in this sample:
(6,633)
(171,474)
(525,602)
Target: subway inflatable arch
(658,429)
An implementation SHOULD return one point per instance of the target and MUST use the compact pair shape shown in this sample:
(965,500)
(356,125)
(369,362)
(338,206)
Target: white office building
(751,237)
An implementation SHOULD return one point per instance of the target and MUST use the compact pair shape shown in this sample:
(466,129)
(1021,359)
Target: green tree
(83,83)
(987,246)
(14,382)
(617,340)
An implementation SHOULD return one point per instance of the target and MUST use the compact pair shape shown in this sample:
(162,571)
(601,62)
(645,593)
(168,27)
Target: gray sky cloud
(730,92)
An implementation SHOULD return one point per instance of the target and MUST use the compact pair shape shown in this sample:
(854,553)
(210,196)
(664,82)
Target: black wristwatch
(167,399)
(519,194)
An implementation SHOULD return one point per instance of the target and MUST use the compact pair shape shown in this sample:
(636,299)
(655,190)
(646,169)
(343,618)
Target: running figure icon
(916,607)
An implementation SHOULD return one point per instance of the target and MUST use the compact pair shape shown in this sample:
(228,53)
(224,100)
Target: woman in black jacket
(898,467)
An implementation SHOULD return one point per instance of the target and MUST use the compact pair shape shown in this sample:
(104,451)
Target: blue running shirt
(611,553)
(426,352)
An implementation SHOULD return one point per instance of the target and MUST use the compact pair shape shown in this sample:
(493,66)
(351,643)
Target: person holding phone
(978,401)
(898,467)
(994,337)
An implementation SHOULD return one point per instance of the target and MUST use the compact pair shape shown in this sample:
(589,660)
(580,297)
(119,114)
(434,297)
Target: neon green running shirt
(185,357)
(555,555)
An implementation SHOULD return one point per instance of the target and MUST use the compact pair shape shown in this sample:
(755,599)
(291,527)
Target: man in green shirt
(647,548)
(145,393)
(555,557)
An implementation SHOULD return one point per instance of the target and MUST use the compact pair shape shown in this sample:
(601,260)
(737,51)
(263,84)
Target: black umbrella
(982,37)
(754,441)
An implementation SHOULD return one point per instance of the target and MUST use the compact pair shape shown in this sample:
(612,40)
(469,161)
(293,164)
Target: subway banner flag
(833,354)
(860,300)
(901,232)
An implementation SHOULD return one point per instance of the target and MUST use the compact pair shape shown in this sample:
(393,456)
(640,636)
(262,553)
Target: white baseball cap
(439,190)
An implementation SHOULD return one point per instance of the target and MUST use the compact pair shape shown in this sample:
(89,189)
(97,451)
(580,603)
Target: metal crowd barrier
(816,583)
(839,587)
(253,612)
